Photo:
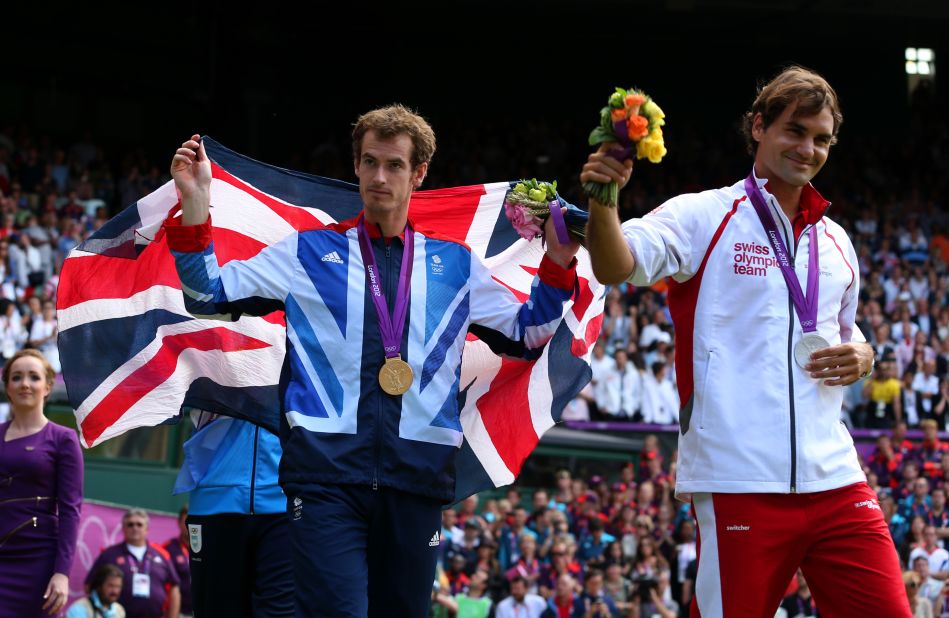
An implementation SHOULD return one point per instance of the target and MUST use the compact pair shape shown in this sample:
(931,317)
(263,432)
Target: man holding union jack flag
(377,312)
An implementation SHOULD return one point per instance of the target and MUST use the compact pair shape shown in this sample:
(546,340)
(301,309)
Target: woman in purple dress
(40,495)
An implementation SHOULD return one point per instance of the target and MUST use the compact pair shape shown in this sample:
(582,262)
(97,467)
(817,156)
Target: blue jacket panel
(231,467)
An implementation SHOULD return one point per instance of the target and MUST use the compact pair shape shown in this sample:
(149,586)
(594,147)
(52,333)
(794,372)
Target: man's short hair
(135,512)
(391,121)
(928,422)
(794,84)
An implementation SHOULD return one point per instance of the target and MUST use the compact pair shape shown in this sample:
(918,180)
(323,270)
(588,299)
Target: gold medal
(396,376)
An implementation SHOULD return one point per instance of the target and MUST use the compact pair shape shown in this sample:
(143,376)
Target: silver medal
(809,343)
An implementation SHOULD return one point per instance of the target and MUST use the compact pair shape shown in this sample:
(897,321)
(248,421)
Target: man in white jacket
(624,388)
(602,366)
(763,292)
(660,401)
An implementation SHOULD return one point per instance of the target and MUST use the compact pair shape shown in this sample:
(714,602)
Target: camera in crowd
(644,585)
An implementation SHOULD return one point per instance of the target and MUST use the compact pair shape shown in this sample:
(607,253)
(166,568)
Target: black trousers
(361,552)
(243,568)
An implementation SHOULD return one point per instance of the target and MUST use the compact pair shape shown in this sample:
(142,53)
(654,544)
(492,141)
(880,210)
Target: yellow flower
(651,147)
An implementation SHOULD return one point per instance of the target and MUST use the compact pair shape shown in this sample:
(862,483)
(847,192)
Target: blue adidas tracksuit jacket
(339,426)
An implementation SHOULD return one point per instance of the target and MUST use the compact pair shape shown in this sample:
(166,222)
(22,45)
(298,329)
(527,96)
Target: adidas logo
(434,542)
(333,257)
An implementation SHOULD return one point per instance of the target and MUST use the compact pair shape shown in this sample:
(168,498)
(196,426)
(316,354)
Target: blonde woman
(40,494)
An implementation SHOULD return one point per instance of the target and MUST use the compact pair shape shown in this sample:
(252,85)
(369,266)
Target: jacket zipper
(792,249)
(10,534)
(253,470)
(791,395)
(379,427)
(30,498)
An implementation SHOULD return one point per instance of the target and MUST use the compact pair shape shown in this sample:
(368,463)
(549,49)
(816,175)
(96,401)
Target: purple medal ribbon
(390,328)
(559,225)
(806,307)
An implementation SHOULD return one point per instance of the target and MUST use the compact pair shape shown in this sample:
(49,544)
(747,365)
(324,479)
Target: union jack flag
(132,356)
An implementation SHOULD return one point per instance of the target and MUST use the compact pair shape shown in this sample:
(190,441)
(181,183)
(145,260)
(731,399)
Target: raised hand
(191,169)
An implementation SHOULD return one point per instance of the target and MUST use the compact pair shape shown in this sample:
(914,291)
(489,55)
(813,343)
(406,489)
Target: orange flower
(634,100)
(638,128)
(618,115)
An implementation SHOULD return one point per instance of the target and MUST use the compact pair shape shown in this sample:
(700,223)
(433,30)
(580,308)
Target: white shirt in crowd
(919,287)
(624,391)
(41,330)
(12,334)
(601,369)
(898,331)
(653,332)
(938,559)
(926,385)
(910,409)
(532,607)
(660,401)
(687,553)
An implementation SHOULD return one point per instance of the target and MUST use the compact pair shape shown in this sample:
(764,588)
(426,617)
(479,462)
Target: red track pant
(752,544)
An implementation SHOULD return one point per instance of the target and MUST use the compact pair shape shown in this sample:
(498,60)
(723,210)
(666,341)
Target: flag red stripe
(584,298)
(297,217)
(506,413)
(230,245)
(449,211)
(95,277)
(579,347)
(144,379)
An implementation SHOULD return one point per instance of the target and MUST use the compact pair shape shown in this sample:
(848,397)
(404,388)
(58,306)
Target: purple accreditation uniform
(180,558)
(147,601)
(40,500)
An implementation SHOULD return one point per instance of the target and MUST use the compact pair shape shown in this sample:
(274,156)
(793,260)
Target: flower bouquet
(634,121)
(528,204)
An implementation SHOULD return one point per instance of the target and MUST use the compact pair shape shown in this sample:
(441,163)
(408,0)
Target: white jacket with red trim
(752,421)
